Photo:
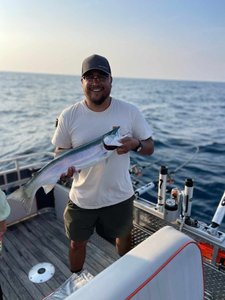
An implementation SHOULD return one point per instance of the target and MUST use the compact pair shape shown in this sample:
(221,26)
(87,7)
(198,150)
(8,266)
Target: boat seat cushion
(166,266)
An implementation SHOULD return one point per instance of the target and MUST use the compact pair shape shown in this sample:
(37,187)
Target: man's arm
(59,151)
(130,143)
(71,170)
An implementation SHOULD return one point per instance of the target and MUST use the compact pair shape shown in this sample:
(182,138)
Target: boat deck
(42,239)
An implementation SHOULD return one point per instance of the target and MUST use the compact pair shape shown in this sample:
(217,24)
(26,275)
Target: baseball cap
(96,62)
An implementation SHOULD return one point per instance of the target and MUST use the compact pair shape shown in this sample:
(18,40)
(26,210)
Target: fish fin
(20,195)
(48,187)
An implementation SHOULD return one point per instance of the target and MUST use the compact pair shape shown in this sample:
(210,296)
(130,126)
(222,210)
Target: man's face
(96,91)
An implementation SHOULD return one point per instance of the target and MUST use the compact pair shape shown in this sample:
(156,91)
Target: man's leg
(117,221)
(79,225)
(123,244)
(77,254)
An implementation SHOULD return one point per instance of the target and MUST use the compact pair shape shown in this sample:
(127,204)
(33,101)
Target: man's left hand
(129,143)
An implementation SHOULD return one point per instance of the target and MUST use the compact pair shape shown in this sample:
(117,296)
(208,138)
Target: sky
(155,39)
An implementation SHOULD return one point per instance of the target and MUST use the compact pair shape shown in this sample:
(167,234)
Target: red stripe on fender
(163,266)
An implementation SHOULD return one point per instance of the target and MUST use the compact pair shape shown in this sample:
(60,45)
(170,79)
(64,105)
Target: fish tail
(21,195)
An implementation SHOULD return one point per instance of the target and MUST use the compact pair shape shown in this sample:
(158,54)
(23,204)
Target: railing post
(17,170)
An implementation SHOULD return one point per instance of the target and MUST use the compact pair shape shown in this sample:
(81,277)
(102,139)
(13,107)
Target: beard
(98,98)
(98,101)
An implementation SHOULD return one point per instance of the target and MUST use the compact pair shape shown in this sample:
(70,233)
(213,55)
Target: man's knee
(78,245)
(123,244)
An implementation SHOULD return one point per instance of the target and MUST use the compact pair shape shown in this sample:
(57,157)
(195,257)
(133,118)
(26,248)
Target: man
(4,213)
(103,194)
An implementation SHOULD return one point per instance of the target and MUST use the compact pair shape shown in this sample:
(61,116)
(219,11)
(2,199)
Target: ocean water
(182,114)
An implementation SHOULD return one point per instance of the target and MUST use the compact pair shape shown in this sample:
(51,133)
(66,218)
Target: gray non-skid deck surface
(42,239)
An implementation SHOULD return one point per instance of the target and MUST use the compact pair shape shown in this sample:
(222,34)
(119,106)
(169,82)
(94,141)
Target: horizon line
(139,78)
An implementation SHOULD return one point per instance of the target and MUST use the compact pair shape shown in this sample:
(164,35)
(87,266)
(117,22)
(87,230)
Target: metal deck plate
(41,272)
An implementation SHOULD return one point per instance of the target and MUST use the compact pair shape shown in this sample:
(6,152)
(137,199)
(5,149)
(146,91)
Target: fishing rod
(186,162)
(136,170)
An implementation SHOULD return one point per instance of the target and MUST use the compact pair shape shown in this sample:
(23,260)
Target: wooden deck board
(23,262)
(39,256)
(32,289)
(7,288)
(39,242)
(27,251)
(13,280)
(42,239)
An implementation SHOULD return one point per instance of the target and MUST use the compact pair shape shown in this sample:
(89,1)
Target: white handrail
(17,168)
(26,156)
(37,164)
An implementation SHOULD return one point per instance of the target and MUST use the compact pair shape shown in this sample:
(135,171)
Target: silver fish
(82,157)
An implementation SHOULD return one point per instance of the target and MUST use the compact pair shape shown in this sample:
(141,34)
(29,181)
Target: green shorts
(116,220)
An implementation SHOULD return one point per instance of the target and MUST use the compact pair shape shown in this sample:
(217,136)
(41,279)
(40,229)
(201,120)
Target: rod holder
(188,195)
(218,217)
(162,187)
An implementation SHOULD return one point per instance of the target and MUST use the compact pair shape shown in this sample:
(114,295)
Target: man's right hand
(70,172)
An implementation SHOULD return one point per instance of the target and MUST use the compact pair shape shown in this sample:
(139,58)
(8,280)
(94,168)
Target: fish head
(110,140)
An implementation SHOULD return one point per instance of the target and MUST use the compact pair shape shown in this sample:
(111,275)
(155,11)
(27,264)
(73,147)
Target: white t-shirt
(108,182)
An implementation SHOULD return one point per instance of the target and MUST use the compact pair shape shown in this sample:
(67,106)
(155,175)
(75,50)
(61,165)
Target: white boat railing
(17,168)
